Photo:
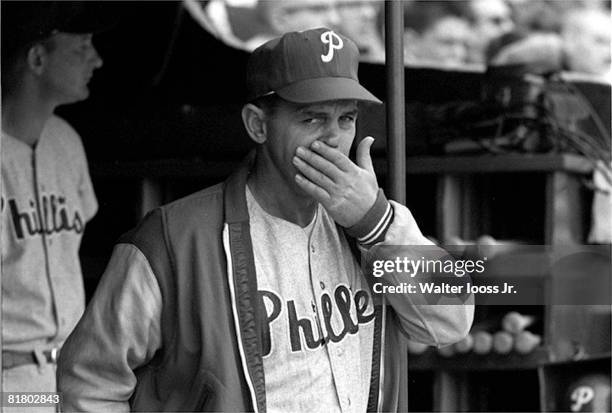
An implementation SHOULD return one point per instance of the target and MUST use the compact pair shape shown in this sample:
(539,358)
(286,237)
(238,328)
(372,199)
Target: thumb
(364,160)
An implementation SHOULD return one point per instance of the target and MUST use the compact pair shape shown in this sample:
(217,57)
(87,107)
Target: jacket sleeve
(389,231)
(119,331)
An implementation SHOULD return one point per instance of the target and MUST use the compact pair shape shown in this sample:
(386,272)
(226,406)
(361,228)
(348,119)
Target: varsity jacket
(199,251)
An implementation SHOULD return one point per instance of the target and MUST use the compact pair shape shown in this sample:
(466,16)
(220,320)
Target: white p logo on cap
(335,43)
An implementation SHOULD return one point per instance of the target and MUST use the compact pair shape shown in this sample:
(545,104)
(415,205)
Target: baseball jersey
(319,324)
(47,197)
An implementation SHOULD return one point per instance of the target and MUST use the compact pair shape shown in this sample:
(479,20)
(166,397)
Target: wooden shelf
(467,204)
(431,360)
(498,163)
(487,163)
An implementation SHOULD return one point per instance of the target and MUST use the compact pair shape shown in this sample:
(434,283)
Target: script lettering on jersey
(339,304)
(54,217)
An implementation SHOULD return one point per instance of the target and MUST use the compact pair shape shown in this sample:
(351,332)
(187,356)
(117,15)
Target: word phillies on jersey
(337,306)
(54,217)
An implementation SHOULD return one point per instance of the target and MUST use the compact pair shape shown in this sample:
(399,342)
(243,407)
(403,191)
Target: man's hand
(347,191)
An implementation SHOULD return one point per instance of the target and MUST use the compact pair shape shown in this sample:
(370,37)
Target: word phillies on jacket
(338,305)
(53,217)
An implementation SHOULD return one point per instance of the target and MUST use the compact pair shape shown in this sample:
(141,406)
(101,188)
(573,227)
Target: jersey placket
(46,239)
(343,355)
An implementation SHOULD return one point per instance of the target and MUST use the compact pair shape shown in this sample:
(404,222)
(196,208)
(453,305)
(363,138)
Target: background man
(436,33)
(47,197)
(247,295)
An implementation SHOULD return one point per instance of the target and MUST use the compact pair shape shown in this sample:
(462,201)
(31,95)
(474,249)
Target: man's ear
(254,119)
(36,58)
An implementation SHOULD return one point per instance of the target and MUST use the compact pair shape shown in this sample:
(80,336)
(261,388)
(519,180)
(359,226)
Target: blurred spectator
(580,44)
(249,25)
(490,19)
(586,34)
(543,52)
(358,21)
(547,15)
(297,15)
(436,33)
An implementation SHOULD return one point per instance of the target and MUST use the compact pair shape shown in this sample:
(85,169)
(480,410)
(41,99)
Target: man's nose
(96,60)
(331,135)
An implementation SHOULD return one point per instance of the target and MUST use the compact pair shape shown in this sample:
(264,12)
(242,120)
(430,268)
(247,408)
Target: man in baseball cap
(48,60)
(247,296)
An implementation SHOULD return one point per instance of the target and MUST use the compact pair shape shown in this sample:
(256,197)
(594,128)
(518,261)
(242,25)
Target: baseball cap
(306,67)
(24,22)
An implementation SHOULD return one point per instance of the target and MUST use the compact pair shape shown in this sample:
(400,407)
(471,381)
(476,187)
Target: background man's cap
(25,22)
(306,67)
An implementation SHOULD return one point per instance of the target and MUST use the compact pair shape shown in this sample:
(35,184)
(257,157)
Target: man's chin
(76,97)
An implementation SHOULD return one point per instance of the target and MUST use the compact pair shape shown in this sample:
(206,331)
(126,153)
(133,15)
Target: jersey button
(322,284)
(312,249)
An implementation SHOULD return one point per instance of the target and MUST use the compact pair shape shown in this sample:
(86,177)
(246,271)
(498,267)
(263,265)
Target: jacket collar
(235,205)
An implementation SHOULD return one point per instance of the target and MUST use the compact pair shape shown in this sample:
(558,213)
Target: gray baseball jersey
(319,325)
(47,197)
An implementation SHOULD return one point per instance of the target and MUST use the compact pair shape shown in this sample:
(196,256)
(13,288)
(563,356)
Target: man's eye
(348,118)
(312,121)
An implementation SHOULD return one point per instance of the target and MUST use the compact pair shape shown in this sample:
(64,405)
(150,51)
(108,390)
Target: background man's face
(492,18)
(587,42)
(292,125)
(70,62)
(309,14)
(447,41)
(358,18)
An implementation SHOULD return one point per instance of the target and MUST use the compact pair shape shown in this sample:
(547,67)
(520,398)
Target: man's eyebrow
(311,111)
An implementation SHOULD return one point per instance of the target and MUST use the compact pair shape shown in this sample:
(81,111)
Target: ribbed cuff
(373,226)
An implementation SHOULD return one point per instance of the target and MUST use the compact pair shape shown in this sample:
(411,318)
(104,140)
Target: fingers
(313,190)
(332,155)
(317,163)
(314,174)
(364,159)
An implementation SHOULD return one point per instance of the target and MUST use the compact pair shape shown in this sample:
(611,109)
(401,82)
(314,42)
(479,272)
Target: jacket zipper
(230,274)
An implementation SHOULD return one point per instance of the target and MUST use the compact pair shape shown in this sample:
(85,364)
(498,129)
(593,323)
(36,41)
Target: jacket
(199,251)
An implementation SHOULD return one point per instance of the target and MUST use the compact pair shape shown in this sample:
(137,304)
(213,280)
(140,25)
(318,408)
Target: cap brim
(326,88)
